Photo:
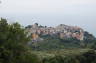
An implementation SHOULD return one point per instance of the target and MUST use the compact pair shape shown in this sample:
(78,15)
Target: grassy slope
(62,52)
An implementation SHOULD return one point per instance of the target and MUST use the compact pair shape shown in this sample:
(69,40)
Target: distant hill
(61,36)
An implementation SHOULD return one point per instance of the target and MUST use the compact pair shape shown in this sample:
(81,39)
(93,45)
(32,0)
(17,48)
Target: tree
(36,24)
(13,43)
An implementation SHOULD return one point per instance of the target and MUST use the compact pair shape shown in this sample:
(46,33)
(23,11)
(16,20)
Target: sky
(80,13)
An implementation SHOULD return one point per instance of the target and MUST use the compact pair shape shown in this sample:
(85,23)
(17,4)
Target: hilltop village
(63,31)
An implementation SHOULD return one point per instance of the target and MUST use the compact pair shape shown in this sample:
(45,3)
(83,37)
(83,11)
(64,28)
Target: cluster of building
(63,31)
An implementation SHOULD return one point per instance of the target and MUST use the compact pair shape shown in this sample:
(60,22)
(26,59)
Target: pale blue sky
(51,12)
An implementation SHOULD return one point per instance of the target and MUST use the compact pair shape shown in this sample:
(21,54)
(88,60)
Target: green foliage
(55,43)
(13,44)
(85,57)
(93,45)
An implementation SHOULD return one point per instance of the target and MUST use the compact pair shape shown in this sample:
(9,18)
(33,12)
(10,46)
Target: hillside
(62,31)
(59,37)
(67,56)
(52,49)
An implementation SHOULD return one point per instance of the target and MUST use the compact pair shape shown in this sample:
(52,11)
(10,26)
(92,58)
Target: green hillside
(53,42)
(15,47)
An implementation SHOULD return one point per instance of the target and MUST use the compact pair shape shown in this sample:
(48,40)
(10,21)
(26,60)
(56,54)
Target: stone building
(65,31)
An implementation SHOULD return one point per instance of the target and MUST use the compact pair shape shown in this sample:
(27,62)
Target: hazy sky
(51,12)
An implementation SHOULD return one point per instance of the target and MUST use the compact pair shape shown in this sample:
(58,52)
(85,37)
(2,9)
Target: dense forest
(14,48)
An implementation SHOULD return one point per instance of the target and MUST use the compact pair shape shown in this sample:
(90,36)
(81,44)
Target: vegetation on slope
(54,42)
(14,48)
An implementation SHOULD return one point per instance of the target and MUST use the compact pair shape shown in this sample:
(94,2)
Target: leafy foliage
(86,57)
(13,40)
